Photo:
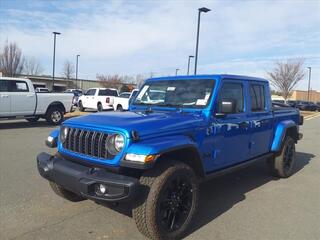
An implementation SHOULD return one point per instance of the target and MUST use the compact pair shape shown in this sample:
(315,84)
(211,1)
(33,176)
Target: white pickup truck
(98,99)
(18,99)
(121,103)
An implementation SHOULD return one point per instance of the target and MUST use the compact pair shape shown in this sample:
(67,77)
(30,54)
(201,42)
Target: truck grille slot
(89,143)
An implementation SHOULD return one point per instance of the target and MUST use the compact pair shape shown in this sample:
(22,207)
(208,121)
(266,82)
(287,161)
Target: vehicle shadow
(220,194)
(16,124)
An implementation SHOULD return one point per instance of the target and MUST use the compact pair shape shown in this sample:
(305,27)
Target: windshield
(176,93)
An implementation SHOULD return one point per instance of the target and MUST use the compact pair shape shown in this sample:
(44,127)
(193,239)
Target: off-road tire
(60,191)
(81,108)
(279,165)
(50,115)
(33,119)
(154,182)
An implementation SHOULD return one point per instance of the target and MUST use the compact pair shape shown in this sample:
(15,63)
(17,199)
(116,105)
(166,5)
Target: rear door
(232,135)
(23,101)
(5,99)
(261,118)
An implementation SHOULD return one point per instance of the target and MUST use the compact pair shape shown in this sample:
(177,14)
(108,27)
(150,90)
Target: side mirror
(226,106)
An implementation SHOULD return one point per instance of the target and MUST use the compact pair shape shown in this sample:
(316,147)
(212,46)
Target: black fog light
(100,189)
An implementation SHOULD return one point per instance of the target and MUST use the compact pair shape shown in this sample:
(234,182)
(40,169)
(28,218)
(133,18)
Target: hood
(144,123)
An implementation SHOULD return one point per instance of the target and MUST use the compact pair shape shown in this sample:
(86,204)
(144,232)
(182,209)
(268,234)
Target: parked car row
(301,105)
(101,99)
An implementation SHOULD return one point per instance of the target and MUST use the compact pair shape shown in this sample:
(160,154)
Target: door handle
(30,95)
(4,96)
(244,124)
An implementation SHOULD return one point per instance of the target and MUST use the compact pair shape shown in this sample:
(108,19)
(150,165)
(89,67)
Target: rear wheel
(33,119)
(169,203)
(60,191)
(119,108)
(282,164)
(99,107)
(55,115)
(81,108)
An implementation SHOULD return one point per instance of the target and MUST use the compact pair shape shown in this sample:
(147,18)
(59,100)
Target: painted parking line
(312,116)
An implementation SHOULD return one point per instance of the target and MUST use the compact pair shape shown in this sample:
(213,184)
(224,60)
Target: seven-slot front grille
(86,142)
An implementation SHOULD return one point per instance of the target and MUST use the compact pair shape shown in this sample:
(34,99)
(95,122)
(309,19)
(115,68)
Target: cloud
(144,36)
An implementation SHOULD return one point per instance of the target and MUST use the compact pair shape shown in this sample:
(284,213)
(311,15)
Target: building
(61,84)
(300,95)
(314,96)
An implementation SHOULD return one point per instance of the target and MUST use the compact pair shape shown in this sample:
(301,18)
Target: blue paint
(221,142)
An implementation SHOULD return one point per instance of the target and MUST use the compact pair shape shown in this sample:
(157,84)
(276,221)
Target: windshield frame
(190,107)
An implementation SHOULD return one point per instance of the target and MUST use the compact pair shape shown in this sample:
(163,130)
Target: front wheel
(169,202)
(282,164)
(55,115)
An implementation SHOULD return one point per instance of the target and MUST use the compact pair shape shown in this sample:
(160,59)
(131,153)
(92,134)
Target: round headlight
(115,144)
(63,133)
(118,142)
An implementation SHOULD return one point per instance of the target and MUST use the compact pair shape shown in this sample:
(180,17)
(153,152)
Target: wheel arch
(56,104)
(285,128)
(187,154)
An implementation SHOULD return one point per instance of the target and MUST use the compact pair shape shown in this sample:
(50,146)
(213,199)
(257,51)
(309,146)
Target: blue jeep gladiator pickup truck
(178,132)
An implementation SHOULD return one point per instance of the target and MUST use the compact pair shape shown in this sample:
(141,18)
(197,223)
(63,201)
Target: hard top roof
(208,76)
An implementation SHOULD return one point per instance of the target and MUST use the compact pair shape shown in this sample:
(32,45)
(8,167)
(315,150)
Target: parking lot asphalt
(248,204)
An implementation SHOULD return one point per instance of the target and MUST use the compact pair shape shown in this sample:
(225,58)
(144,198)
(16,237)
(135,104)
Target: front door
(231,133)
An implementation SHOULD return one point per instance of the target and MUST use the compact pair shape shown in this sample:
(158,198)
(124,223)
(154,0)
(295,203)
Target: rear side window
(4,86)
(13,86)
(257,95)
(108,92)
(19,86)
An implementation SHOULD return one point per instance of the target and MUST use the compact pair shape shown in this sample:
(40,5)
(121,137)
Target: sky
(156,37)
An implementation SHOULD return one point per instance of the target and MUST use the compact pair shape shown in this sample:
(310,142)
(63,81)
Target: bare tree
(285,76)
(32,66)
(110,81)
(140,80)
(68,69)
(11,60)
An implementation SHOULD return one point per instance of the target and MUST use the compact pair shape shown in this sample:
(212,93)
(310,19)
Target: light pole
(205,10)
(309,83)
(54,56)
(77,71)
(189,63)
(177,69)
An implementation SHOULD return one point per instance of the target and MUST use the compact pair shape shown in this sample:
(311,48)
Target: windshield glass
(176,93)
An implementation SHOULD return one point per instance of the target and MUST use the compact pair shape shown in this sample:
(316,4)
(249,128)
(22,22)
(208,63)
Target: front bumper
(82,179)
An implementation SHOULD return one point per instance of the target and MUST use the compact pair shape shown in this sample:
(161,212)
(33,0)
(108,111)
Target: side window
(90,92)
(257,95)
(232,92)
(19,86)
(108,92)
(4,86)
